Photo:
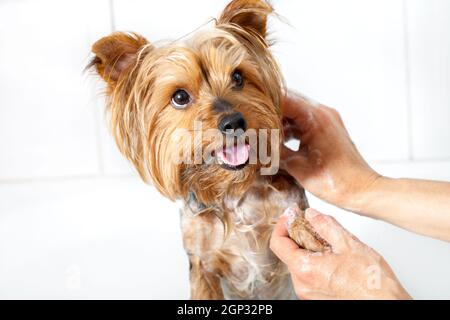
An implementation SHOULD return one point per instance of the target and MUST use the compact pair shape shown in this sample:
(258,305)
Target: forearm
(417,205)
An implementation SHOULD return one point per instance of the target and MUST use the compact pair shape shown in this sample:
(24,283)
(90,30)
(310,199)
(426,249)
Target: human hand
(327,164)
(350,270)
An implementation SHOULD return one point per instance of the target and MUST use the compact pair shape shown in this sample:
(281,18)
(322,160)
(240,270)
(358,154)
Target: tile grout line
(408,80)
(98,119)
(112,16)
(131,175)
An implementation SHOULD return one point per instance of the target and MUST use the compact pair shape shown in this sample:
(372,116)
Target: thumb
(330,230)
(284,247)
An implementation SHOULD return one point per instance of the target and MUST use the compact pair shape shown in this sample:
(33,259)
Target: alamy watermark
(263,146)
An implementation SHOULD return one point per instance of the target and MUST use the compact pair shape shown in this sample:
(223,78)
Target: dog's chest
(255,272)
(242,257)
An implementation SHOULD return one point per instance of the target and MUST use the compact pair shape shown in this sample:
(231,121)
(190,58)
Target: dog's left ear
(247,14)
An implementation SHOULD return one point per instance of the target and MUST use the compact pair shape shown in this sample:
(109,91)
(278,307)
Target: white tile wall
(383,64)
(350,54)
(429,52)
(90,238)
(47,125)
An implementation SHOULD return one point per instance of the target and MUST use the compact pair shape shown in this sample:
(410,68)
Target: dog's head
(189,114)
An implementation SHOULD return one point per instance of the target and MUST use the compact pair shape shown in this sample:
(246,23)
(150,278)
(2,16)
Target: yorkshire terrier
(224,85)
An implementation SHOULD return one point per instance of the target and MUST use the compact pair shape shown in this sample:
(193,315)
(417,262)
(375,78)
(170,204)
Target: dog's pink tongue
(235,156)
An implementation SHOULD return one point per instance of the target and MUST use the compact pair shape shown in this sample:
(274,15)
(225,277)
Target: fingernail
(291,213)
(311,213)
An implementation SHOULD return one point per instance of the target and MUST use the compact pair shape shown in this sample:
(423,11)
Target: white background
(76,222)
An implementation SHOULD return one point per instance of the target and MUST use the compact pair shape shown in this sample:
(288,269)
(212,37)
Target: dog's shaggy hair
(228,215)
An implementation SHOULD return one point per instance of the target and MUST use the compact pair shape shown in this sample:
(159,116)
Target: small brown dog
(226,79)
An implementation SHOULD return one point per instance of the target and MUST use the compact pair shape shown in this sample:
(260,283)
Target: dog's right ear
(247,14)
(116,54)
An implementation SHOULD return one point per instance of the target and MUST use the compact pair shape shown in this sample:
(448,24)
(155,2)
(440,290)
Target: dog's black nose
(233,122)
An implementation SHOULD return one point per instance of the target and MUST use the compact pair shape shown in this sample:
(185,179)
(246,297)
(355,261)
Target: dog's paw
(301,231)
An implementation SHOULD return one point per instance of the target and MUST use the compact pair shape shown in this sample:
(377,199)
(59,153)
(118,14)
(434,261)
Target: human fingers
(298,109)
(330,230)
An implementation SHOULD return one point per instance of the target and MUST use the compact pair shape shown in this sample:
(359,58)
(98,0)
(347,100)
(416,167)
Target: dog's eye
(238,79)
(181,99)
